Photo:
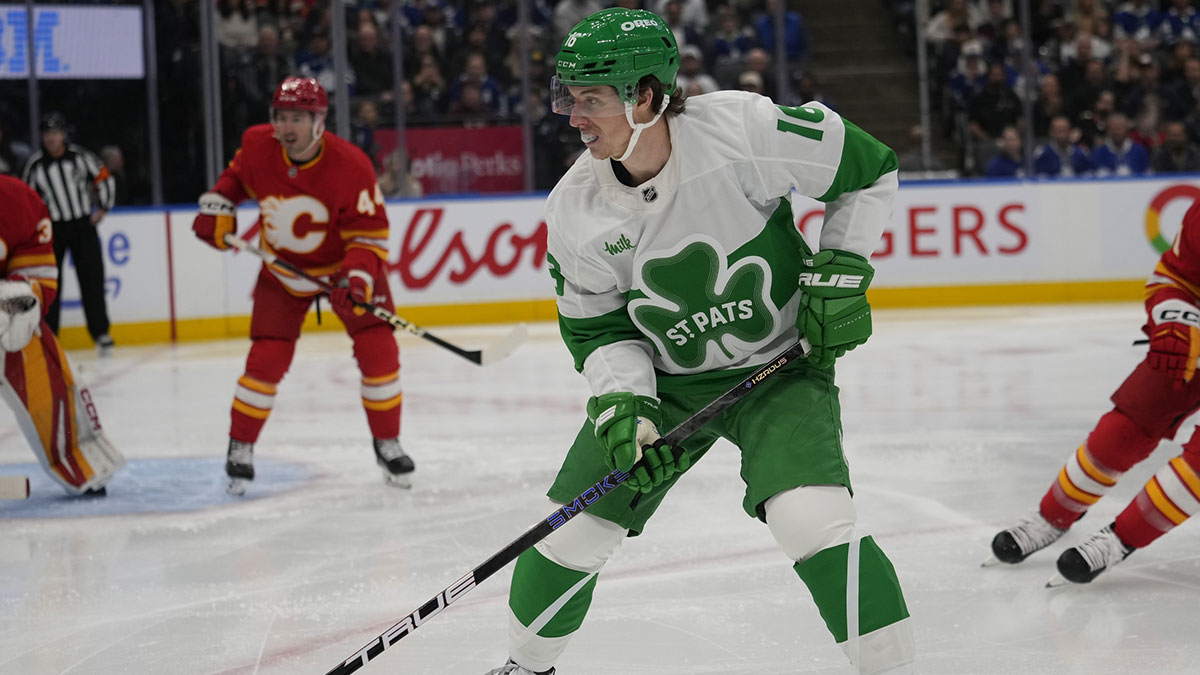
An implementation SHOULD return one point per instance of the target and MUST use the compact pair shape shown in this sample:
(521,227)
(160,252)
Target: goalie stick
(560,517)
(483,357)
(14,487)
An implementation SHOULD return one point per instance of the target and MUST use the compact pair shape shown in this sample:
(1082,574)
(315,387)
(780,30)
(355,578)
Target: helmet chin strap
(317,131)
(638,128)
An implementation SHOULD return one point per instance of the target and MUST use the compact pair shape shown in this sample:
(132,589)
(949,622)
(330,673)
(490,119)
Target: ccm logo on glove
(1185,314)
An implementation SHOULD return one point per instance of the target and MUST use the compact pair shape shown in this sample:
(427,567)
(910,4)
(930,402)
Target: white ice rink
(955,424)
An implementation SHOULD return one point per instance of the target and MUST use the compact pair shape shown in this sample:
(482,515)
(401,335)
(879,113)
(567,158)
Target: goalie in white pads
(55,414)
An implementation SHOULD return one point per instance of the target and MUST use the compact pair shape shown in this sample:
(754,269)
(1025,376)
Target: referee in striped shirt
(78,191)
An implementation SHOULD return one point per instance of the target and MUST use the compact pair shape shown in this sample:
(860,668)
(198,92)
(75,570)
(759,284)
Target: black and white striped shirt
(66,183)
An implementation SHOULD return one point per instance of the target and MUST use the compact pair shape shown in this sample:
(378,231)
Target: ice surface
(956,421)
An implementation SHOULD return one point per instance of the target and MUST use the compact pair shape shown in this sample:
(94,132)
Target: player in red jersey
(57,416)
(321,210)
(1148,407)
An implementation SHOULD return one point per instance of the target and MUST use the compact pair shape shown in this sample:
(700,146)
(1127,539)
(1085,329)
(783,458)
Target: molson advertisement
(480,260)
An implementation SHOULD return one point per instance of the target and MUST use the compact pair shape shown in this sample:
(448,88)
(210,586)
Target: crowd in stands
(460,67)
(461,60)
(1114,87)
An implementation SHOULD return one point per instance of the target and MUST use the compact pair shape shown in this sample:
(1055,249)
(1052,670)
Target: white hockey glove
(20,314)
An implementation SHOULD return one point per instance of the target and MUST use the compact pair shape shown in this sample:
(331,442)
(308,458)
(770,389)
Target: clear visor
(588,101)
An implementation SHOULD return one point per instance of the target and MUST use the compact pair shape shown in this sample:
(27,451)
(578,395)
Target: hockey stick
(555,520)
(14,487)
(486,356)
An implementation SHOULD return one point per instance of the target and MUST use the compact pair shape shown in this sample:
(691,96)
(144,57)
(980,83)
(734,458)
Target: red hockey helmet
(300,93)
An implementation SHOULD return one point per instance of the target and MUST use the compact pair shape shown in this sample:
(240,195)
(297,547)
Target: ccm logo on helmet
(834,280)
(639,23)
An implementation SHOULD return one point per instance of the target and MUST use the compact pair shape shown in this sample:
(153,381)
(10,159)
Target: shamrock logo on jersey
(702,312)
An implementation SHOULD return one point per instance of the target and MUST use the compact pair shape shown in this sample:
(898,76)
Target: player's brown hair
(674,107)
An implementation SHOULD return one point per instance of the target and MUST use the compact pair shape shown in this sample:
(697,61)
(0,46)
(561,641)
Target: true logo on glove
(834,280)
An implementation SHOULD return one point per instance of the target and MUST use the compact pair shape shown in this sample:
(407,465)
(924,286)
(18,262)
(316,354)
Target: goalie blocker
(57,416)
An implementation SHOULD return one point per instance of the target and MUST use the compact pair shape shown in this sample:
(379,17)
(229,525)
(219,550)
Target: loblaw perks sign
(451,160)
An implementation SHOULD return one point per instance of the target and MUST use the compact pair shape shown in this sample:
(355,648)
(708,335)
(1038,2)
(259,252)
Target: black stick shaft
(560,517)
(380,312)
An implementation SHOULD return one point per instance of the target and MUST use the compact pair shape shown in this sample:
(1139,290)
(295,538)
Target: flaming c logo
(1153,231)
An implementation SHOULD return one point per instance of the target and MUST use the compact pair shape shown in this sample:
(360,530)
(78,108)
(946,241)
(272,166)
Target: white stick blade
(498,350)
(14,487)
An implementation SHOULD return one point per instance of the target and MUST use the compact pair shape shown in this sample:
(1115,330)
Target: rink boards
(478,260)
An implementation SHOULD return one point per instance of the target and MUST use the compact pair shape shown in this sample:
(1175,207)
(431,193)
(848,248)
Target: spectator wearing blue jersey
(1139,21)
(1118,155)
(1010,162)
(970,76)
(1059,157)
(1181,21)
(731,41)
(795,40)
(475,72)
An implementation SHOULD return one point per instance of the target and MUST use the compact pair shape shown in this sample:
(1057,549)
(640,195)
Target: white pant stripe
(1176,491)
(381,392)
(1083,481)
(251,397)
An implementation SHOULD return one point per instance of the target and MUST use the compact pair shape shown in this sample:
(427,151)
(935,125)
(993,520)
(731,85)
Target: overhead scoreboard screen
(81,42)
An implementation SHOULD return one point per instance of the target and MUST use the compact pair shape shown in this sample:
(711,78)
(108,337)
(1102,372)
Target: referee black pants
(81,238)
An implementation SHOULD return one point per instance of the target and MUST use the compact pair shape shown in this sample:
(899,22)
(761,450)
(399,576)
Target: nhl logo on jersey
(649,194)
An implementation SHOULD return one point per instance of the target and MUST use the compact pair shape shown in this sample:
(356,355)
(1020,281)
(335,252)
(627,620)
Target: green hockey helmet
(614,47)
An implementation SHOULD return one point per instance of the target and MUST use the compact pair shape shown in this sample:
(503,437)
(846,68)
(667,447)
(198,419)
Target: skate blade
(991,561)
(1056,581)
(402,480)
(236,487)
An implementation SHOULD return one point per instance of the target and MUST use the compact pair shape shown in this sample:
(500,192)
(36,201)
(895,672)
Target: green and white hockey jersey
(696,269)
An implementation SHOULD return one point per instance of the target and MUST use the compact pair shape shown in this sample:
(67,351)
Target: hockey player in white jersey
(678,268)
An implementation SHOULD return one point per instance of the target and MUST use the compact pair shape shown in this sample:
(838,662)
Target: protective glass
(589,101)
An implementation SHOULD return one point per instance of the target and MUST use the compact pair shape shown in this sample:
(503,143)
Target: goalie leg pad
(58,417)
(811,518)
(552,589)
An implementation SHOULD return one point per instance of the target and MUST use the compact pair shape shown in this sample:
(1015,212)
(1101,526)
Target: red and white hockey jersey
(313,214)
(26,240)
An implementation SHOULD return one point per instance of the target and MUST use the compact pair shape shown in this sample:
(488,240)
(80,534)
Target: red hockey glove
(354,287)
(1174,330)
(215,220)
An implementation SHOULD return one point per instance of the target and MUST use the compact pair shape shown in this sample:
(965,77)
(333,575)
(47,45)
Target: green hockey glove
(627,428)
(834,313)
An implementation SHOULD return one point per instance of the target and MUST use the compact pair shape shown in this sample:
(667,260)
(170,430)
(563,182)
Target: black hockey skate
(239,467)
(397,466)
(1080,564)
(511,668)
(1032,534)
